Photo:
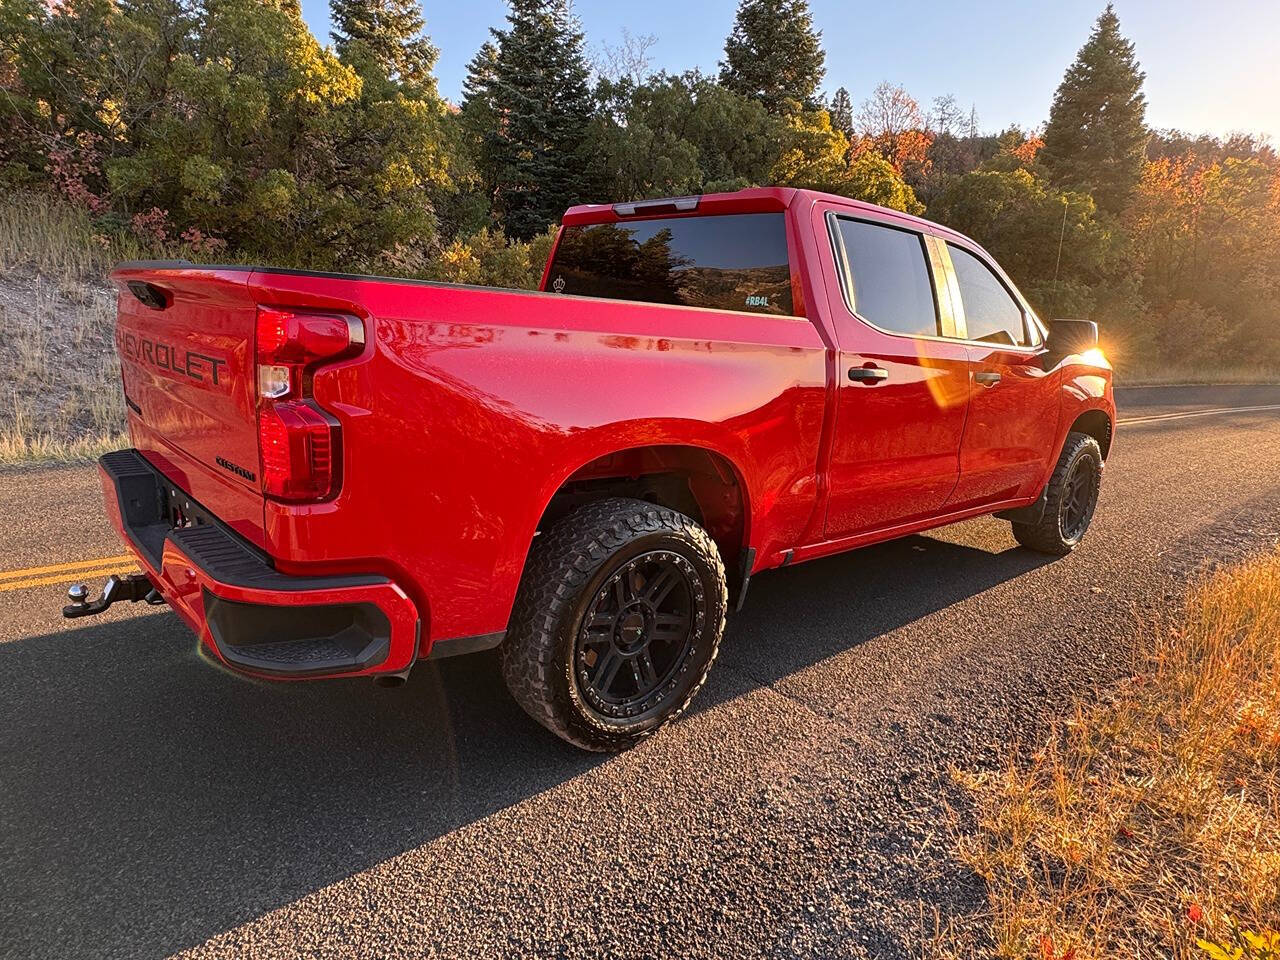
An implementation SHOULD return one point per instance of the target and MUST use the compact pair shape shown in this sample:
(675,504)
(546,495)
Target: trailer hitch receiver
(133,587)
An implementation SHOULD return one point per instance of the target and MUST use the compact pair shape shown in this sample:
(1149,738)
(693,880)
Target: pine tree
(386,36)
(480,117)
(841,111)
(774,54)
(527,107)
(1097,136)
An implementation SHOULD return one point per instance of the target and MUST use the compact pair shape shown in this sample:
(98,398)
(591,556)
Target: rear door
(1013,412)
(903,384)
(185,340)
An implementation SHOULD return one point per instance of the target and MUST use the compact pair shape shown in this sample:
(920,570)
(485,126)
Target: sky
(1211,67)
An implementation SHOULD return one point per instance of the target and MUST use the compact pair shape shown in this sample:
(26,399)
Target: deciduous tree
(627,59)
(872,178)
(817,157)
(1023,222)
(79,81)
(267,140)
(488,258)
(242,144)
(891,123)
(1204,232)
(678,134)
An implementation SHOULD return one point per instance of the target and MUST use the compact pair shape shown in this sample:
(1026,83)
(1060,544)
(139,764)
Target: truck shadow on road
(150,802)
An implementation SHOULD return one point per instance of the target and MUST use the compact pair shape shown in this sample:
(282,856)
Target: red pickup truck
(337,476)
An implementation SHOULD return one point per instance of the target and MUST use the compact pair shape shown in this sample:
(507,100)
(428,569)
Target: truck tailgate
(186,338)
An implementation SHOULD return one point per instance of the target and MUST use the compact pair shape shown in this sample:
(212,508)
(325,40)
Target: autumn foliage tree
(890,122)
(816,156)
(1203,239)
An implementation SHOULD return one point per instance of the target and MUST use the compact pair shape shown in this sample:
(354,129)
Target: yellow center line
(60,567)
(68,576)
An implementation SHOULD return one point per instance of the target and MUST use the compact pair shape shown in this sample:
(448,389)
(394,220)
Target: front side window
(991,313)
(729,262)
(887,277)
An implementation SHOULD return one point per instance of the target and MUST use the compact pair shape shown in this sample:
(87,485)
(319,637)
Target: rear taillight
(299,444)
(298,447)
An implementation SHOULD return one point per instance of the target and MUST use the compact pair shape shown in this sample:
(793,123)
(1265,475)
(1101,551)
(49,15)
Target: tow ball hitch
(133,588)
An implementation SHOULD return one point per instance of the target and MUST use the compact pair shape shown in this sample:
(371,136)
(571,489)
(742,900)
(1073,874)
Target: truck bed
(464,410)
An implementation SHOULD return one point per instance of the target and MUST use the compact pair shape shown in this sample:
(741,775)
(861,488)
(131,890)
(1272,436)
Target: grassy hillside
(61,398)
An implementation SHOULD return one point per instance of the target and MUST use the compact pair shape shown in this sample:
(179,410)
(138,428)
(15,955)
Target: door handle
(871,375)
(987,378)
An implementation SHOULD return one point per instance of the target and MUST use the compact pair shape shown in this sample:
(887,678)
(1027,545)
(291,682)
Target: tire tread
(1046,536)
(561,562)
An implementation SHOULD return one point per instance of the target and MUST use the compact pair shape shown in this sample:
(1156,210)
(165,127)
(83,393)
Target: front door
(1014,408)
(903,385)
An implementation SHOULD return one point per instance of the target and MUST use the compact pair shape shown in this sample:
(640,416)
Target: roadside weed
(1244,945)
(1148,817)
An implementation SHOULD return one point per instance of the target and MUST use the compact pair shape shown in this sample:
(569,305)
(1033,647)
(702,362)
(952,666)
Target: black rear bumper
(255,618)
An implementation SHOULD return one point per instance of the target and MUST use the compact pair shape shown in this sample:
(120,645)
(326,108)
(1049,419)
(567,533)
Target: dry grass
(60,399)
(1151,817)
(15,448)
(58,241)
(61,393)
(1208,373)
(22,440)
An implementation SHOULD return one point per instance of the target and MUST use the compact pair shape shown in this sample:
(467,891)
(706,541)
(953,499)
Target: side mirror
(1071,336)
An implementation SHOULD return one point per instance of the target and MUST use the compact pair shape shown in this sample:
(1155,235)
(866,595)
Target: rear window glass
(733,262)
(888,278)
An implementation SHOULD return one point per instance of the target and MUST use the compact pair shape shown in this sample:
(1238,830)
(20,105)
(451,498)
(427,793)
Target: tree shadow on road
(149,802)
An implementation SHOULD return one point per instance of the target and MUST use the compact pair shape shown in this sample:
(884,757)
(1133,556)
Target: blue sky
(1210,66)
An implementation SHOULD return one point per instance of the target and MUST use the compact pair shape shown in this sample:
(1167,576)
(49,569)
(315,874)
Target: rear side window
(888,279)
(991,313)
(731,262)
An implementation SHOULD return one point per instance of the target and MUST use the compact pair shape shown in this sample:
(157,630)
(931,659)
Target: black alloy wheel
(1079,498)
(636,638)
(1070,499)
(618,619)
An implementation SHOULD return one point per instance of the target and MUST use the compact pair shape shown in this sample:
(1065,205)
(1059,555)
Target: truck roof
(753,200)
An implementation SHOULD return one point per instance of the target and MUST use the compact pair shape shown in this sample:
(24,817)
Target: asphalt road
(150,804)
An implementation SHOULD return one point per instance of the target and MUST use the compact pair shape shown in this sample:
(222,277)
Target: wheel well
(1096,424)
(700,484)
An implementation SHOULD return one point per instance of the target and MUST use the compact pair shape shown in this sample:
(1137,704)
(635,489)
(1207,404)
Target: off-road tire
(566,568)
(1051,535)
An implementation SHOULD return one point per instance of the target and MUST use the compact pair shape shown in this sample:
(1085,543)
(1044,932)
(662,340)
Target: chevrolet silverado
(338,476)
